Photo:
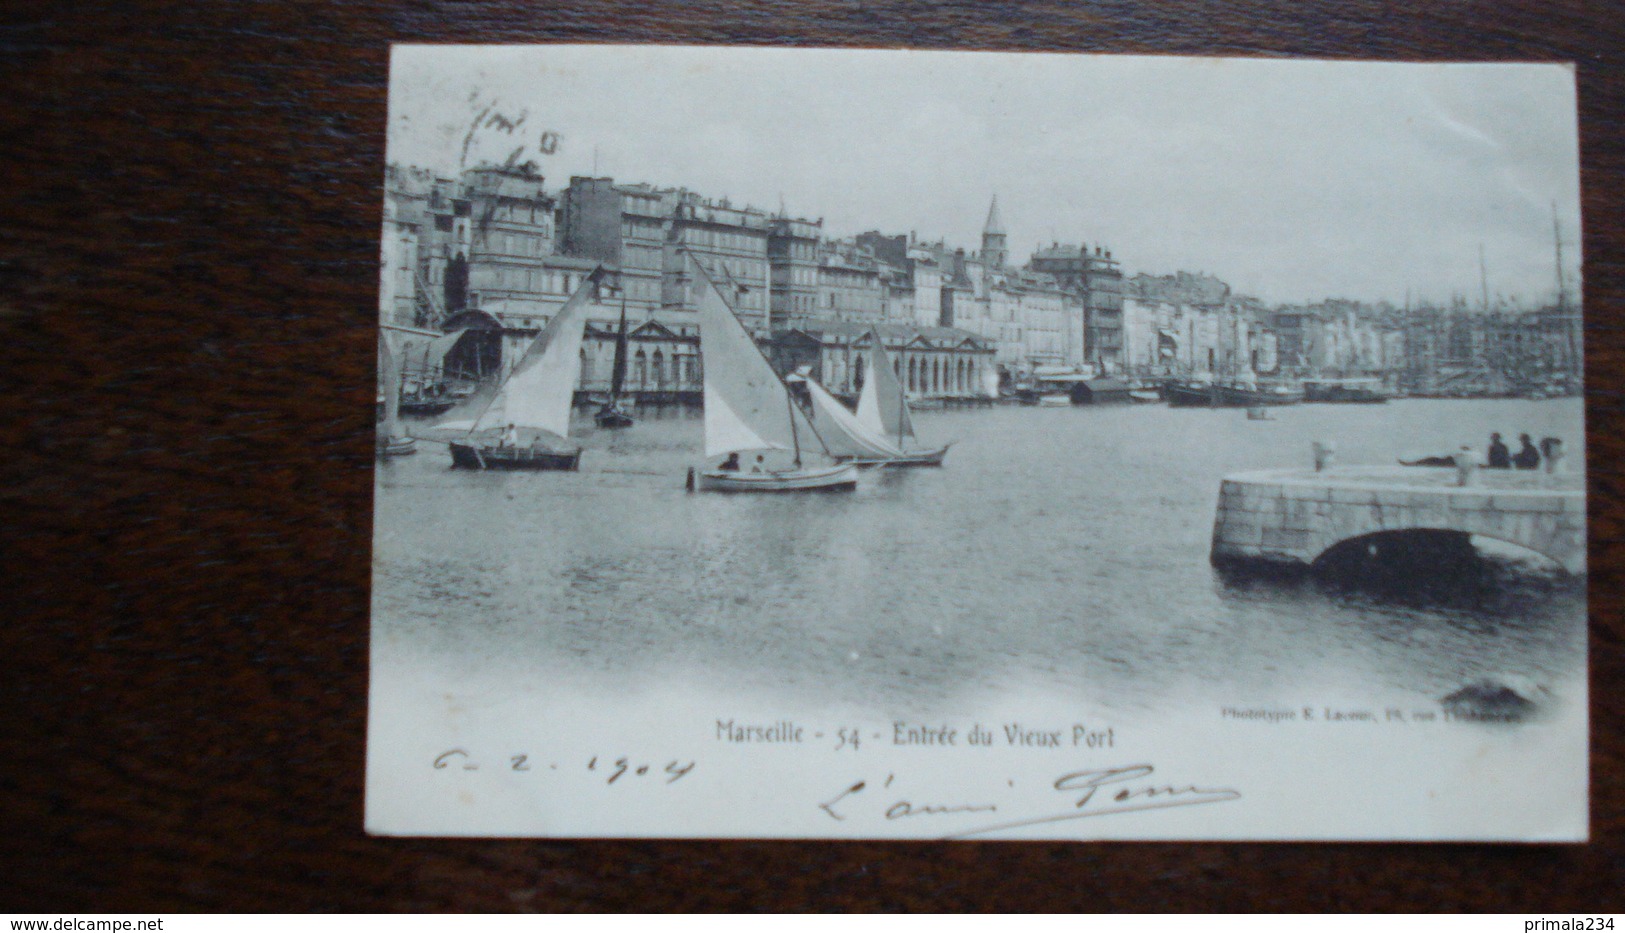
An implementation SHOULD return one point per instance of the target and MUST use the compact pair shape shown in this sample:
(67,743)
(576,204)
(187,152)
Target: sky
(1291,180)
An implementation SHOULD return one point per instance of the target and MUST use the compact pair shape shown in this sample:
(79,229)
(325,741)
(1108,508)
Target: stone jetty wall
(1295,516)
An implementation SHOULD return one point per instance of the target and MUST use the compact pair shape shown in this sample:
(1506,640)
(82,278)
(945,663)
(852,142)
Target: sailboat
(749,408)
(845,437)
(524,424)
(612,415)
(423,389)
(883,411)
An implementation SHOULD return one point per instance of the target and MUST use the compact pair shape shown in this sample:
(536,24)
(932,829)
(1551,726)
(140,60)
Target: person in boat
(732,463)
(510,437)
(757,466)
(1527,457)
(1500,456)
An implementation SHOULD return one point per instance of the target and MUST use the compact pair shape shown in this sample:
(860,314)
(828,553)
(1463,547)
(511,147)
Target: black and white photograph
(884,444)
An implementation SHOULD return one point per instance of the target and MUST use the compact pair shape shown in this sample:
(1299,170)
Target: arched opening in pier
(1421,561)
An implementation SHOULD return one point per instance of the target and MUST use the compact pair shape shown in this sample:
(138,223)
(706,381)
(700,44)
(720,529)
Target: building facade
(792,256)
(930,362)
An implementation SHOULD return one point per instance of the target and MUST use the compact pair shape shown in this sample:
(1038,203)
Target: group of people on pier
(1528,456)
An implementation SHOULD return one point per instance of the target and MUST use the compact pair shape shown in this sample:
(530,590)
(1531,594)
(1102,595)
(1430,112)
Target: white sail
(747,406)
(842,433)
(882,408)
(539,389)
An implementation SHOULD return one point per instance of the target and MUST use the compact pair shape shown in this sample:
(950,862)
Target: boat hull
(611,417)
(911,458)
(1345,396)
(840,478)
(1223,396)
(396,446)
(437,406)
(483,457)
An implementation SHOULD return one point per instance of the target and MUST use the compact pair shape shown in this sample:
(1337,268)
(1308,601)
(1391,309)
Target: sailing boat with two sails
(883,411)
(748,408)
(612,415)
(878,434)
(526,423)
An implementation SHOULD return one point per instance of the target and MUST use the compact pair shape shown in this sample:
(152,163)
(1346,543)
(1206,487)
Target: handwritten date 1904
(612,769)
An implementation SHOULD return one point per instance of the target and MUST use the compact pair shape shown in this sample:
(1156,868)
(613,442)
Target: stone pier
(1296,516)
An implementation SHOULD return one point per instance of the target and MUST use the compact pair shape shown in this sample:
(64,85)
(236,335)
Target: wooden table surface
(188,275)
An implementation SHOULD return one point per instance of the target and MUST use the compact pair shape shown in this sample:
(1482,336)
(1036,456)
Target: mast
(1557,241)
(1484,281)
(902,404)
(617,377)
(795,436)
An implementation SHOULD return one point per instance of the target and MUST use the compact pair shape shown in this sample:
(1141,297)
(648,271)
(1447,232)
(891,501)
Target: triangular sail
(420,356)
(541,386)
(882,409)
(843,434)
(747,406)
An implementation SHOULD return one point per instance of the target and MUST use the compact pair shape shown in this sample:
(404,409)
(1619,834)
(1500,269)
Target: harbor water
(1060,550)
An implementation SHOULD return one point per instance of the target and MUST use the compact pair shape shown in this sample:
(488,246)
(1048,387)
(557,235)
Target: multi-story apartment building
(730,243)
(1097,279)
(398,267)
(626,226)
(792,255)
(848,283)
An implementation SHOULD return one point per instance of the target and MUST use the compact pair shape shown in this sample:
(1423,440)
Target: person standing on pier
(1527,457)
(1500,457)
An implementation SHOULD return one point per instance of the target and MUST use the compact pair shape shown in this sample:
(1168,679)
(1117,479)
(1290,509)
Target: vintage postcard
(887,444)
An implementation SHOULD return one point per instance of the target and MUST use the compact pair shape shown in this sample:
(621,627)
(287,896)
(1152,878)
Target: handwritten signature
(1100,792)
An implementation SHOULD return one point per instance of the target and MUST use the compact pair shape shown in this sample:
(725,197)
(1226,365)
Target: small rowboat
(841,477)
(498,457)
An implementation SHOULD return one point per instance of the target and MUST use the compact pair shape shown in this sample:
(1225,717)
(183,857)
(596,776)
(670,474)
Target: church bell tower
(994,250)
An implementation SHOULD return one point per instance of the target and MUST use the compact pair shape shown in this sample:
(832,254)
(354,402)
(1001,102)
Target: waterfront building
(1097,279)
(397,266)
(1037,302)
(792,256)
(626,227)
(661,365)
(848,283)
(926,267)
(730,243)
(931,362)
(427,204)
(1189,288)
(1147,348)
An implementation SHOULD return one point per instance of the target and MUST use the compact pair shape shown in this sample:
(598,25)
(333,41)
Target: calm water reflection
(1061,550)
